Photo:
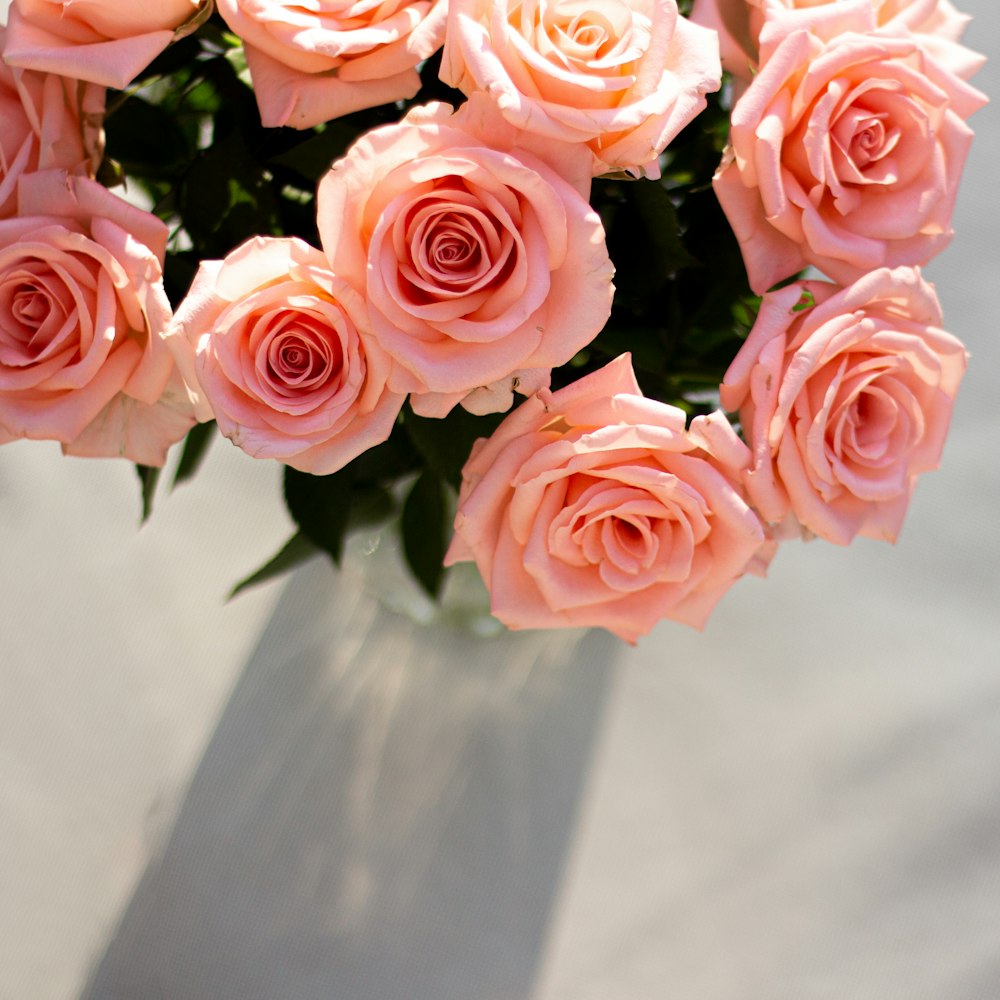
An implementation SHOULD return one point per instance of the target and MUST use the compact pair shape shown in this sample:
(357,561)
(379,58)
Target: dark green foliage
(297,550)
(320,505)
(444,445)
(195,446)
(147,140)
(425,527)
(682,303)
(188,136)
(361,494)
(149,476)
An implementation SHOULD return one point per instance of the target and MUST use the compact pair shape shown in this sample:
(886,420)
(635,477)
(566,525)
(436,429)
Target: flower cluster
(425,251)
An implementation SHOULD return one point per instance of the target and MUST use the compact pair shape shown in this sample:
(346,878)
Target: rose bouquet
(525,280)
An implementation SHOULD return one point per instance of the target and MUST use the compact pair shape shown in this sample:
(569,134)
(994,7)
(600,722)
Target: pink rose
(48,121)
(622,77)
(846,154)
(317,61)
(108,42)
(594,506)
(284,357)
(936,24)
(85,358)
(845,395)
(738,24)
(475,247)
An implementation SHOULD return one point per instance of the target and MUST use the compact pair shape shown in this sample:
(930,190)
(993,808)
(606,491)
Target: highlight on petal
(622,78)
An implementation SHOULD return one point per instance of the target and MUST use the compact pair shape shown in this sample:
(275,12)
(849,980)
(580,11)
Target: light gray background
(301,796)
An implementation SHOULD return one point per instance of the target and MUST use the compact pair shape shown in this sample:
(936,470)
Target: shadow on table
(384,812)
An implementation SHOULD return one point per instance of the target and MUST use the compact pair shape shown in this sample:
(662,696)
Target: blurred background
(301,795)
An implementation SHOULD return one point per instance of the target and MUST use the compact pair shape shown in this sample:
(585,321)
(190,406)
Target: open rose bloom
(85,358)
(108,42)
(481,261)
(316,61)
(595,506)
(48,122)
(845,396)
(621,77)
(847,150)
(284,358)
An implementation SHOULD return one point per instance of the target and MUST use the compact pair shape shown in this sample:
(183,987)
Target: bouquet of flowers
(525,278)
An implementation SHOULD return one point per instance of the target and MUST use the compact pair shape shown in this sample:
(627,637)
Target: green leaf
(643,237)
(312,158)
(806,301)
(195,446)
(177,56)
(662,228)
(145,139)
(445,444)
(424,527)
(388,462)
(370,505)
(179,270)
(320,506)
(639,339)
(110,173)
(204,197)
(224,198)
(202,99)
(298,549)
(149,475)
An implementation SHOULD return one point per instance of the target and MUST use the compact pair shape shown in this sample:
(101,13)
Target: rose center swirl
(299,353)
(623,531)
(579,35)
(36,311)
(448,245)
(30,306)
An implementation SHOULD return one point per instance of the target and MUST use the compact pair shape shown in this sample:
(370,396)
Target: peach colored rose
(108,42)
(48,121)
(594,506)
(845,154)
(475,247)
(284,358)
(738,24)
(622,76)
(845,395)
(313,62)
(936,24)
(84,354)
